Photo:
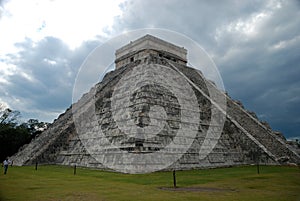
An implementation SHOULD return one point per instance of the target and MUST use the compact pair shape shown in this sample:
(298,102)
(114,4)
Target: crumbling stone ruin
(244,139)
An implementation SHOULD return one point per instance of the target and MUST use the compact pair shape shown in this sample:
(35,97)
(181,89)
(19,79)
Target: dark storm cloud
(196,19)
(42,84)
(264,71)
(255,45)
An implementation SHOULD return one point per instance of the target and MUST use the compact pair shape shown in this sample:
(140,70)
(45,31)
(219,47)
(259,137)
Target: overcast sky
(255,45)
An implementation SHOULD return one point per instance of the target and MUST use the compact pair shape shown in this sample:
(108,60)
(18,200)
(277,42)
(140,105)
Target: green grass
(238,183)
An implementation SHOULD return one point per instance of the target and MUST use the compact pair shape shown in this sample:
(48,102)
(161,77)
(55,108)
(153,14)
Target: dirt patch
(195,189)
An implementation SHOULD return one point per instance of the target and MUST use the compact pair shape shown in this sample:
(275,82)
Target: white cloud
(3,105)
(6,70)
(247,27)
(71,21)
(49,61)
(254,43)
(282,44)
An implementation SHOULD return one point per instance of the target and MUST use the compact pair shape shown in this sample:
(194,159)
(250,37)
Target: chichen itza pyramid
(122,115)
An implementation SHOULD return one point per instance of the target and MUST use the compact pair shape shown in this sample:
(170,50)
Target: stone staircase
(275,146)
(60,143)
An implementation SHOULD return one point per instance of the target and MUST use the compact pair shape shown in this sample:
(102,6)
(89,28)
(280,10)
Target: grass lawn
(238,183)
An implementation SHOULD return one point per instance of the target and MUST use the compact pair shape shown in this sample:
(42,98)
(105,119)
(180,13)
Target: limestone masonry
(130,128)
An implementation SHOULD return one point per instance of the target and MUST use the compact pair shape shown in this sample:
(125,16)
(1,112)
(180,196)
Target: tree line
(14,133)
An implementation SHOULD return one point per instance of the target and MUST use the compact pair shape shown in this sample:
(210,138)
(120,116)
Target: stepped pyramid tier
(153,112)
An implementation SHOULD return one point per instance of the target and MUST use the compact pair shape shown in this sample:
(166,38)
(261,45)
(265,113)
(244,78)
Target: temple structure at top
(154,112)
(147,45)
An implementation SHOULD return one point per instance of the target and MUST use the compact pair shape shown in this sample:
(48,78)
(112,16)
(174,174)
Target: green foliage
(14,134)
(238,183)
(35,127)
(11,139)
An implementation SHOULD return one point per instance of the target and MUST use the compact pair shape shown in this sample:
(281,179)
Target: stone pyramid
(153,112)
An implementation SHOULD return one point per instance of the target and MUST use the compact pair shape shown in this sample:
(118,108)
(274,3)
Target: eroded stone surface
(130,119)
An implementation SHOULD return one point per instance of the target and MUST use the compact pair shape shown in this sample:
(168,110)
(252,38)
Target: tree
(11,139)
(8,116)
(35,127)
(14,134)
